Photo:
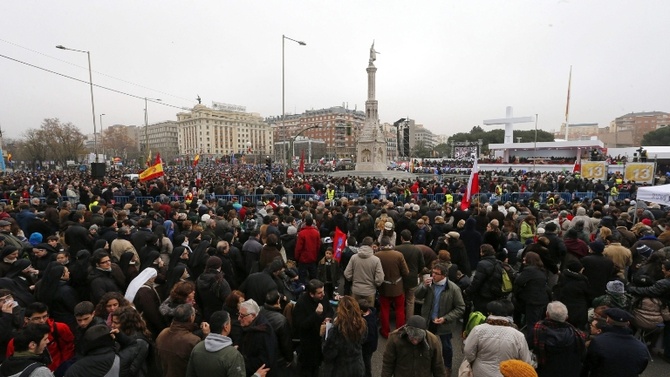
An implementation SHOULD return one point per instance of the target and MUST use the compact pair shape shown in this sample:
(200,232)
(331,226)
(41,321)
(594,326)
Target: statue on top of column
(373,52)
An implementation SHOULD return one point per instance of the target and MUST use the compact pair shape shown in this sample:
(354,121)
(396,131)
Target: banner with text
(640,172)
(594,170)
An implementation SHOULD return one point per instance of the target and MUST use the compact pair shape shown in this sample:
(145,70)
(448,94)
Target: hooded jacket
(365,272)
(215,356)
(211,292)
(16,364)
(404,359)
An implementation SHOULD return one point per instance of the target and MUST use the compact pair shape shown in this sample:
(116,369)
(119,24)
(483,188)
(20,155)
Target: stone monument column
(371,148)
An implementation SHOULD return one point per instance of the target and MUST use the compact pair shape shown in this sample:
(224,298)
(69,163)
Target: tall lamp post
(283,98)
(292,143)
(102,138)
(90,82)
(146,122)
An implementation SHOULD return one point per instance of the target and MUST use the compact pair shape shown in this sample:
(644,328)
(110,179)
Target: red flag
(301,168)
(473,187)
(339,243)
(159,160)
(578,162)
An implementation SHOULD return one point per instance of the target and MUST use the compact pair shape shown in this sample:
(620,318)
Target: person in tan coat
(392,290)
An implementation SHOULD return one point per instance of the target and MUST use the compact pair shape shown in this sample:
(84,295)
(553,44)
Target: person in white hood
(216,355)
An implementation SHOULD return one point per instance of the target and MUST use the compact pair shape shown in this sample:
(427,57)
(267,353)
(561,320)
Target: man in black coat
(258,344)
(257,285)
(415,264)
(139,238)
(272,311)
(598,269)
(309,313)
(100,277)
(76,236)
(616,352)
(557,249)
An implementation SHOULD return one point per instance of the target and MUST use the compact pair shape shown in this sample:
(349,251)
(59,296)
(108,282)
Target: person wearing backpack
(484,287)
(531,291)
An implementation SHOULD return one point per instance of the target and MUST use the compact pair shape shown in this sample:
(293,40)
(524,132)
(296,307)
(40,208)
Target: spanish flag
(149,159)
(152,172)
(196,159)
(9,157)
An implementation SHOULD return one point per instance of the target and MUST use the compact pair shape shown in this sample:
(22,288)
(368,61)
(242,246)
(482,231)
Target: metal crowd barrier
(439,198)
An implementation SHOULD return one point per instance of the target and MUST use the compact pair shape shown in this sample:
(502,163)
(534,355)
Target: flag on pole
(472,188)
(159,160)
(567,104)
(196,159)
(232,157)
(339,243)
(301,168)
(149,159)
(578,162)
(152,172)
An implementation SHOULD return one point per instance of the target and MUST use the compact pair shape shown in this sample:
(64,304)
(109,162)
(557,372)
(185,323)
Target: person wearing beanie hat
(412,350)
(35,238)
(615,296)
(213,263)
(516,368)
(211,287)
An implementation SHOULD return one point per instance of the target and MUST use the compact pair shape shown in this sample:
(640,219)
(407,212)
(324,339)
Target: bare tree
(63,140)
(118,143)
(32,149)
(54,140)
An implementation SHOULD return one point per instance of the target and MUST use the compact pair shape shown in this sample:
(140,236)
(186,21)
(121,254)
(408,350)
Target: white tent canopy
(655,194)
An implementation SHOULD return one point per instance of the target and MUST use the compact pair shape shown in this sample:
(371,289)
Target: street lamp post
(90,82)
(146,122)
(283,98)
(292,142)
(102,138)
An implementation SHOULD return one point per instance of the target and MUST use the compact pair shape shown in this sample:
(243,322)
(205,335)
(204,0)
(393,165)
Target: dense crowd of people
(236,271)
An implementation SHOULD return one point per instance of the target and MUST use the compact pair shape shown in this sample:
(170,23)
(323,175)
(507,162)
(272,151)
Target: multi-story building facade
(640,124)
(162,138)
(336,126)
(424,137)
(223,131)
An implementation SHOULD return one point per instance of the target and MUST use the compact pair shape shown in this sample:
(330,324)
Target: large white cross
(509,122)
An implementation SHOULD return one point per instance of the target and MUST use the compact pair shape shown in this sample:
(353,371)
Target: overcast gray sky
(448,64)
